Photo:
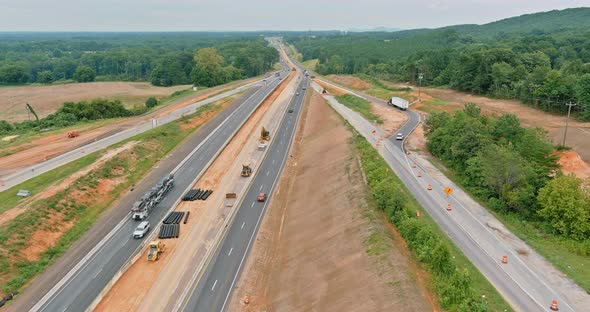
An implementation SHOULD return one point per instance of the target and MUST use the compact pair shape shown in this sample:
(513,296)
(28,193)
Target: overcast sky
(195,15)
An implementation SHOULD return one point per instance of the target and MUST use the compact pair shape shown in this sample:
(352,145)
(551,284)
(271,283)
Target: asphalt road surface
(30,172)
(213,290)
(81,285)
(525,288)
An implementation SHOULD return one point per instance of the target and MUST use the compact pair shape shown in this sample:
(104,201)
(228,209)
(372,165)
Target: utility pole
(569,110)
(420,77)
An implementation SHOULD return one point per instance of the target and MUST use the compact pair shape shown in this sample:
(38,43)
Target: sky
(250,15)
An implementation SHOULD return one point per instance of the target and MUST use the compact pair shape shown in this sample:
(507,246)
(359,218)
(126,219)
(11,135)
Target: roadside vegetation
(458,284)
(33,240)
(544,62)
(513,171)
(359,105)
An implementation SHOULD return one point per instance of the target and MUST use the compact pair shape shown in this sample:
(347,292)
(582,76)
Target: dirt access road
(50,146)
(311,252)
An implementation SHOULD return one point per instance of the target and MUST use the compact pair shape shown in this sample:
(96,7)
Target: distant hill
(374,29)
(538,23)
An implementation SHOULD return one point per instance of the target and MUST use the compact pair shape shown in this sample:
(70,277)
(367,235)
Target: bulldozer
(156,248)
(264,135)
(246,170)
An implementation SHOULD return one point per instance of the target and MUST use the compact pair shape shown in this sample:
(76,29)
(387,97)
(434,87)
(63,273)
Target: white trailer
(399,103)
(141,208)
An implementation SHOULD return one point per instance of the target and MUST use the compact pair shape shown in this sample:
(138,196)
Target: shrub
(151,102)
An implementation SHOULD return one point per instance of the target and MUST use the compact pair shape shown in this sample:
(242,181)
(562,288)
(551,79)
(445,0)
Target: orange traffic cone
(554,306)
(247,300)
(419,173)
(413,165)
(429,187)
(449,207)
(505,259)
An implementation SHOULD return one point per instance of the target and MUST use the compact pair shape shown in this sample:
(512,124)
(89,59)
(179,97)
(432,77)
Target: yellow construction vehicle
(264,135)
(246,170)
(156,248)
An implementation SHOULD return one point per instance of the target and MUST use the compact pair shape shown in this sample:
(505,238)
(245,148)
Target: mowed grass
(359,105)
(311,64)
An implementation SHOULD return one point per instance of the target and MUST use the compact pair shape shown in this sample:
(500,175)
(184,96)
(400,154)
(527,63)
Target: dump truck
(264,135)
(399,103)
(142,208)
(246,170)
(156,248)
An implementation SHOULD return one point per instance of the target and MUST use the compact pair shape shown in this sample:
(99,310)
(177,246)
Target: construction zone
(189,245)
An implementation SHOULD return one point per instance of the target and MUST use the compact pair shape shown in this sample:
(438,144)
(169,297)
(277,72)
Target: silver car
(399,136)
(141,229)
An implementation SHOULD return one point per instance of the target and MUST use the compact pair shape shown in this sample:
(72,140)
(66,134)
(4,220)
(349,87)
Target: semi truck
(399,103)
(142,208)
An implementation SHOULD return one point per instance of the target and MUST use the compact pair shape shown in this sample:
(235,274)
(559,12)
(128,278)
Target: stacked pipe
(169,231)
(197,194)
(174,217)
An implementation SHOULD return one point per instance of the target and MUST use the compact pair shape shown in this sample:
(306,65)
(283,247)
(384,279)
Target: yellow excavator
(246,170)
(264,135)
(156,248)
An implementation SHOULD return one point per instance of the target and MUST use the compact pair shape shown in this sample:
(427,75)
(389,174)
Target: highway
(30,172)
(213,290)
(525,287)
(81,285)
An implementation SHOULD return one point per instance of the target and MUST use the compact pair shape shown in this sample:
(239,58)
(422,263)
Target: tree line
(71,113)
(161,58)
(512,169)
(545,70)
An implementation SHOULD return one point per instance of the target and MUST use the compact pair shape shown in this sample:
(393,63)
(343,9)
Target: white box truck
(399,103)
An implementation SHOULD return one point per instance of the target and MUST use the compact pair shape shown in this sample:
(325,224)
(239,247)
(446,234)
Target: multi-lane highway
(81,285)
(213,290)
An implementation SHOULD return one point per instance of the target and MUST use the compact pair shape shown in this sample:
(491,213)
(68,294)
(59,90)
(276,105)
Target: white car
(141,229)
(399,136)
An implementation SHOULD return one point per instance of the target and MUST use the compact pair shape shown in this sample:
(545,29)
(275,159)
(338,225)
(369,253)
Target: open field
(47,99)
(39,147)
(322,251)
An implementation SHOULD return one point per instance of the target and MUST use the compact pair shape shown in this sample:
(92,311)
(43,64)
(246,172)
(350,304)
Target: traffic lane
(527,281)
(187,172)
(437,210)
(42,284)
(218,278)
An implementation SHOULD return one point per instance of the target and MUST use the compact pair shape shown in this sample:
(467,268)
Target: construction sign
(448,190)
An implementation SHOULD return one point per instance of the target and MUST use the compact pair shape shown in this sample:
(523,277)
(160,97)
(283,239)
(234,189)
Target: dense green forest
(541,59)
(162,58)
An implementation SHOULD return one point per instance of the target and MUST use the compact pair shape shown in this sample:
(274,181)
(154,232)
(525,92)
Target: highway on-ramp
(213,290)
(84,282)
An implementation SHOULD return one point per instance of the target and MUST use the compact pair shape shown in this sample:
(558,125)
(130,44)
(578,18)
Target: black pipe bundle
(169,231)
(196,194)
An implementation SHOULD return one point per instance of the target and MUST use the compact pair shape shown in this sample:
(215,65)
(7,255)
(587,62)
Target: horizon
(158,16)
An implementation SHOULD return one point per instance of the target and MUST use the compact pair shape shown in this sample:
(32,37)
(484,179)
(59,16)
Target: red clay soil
(310,253)
(571,162)
(351,81)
